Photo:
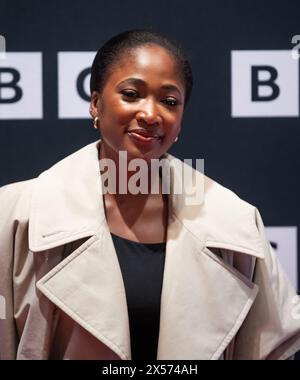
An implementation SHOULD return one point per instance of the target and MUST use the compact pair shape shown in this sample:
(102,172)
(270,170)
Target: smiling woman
(139,97)
(140,84)
(88,274)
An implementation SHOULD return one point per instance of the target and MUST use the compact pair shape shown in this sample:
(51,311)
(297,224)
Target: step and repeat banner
(243,118)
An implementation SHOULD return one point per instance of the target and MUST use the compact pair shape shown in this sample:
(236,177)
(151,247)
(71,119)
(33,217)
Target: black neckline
(138,242)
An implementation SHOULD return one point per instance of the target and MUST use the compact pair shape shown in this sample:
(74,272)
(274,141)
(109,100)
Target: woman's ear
(94,104)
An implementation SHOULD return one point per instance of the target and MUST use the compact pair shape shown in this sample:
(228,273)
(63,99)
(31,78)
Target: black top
(142,267)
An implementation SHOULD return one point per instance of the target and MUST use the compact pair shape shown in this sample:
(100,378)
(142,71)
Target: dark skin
(154,99)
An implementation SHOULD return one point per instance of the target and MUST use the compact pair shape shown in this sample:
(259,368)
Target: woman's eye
(171,101)
(130,94)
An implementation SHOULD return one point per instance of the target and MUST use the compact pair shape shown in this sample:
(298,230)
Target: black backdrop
(257,157)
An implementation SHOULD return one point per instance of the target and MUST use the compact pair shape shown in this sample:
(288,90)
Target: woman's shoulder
(16,193)
(15,205)
(215,194)
(20,192)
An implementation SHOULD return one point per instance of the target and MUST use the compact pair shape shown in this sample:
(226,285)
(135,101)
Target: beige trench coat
(224,293)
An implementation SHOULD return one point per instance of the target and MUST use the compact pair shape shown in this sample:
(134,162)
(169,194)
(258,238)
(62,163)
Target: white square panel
(284,242)
(21,95)
(73,83)
(272,74)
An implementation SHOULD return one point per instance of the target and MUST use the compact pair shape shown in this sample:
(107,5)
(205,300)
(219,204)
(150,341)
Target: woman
(94,274)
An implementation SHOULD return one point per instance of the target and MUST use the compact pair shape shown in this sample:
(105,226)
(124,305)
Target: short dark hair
(113,49)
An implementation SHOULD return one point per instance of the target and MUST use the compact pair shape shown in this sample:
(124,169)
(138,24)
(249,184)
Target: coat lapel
(204,301)
(88,287)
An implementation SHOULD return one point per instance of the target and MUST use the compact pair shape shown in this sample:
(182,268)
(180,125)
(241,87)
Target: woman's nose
(149,113)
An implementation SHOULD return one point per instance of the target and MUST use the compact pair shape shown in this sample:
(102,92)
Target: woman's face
(141,106)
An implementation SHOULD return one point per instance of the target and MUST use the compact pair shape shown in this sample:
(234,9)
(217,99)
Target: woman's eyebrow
(138,81)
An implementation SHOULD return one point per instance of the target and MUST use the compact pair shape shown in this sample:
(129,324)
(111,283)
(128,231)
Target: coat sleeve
(11,196)
(271,330)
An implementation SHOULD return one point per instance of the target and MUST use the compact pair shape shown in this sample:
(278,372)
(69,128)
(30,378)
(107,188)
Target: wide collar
(67,205)
(198,287)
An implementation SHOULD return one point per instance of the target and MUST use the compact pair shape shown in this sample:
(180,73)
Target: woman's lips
(143,137)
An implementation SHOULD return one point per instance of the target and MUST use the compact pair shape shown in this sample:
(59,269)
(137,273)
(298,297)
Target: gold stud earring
(96,122)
